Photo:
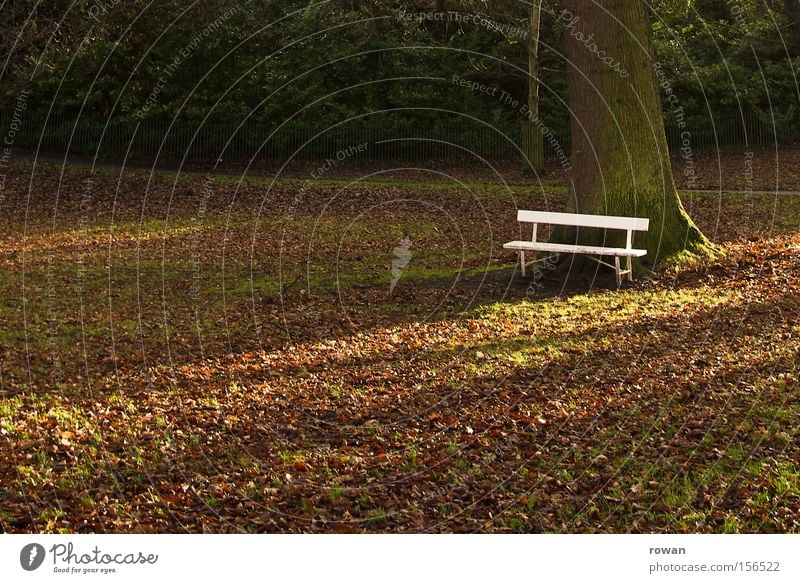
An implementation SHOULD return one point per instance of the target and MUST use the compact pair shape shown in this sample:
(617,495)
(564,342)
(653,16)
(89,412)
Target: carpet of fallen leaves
(208,355)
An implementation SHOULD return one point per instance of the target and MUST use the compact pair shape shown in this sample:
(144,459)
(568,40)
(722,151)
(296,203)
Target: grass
(247,389)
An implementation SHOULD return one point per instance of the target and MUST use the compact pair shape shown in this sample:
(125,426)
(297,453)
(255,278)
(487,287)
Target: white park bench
(628,224)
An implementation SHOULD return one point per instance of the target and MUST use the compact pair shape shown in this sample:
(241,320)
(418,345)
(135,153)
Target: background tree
(533,138)
(791,12)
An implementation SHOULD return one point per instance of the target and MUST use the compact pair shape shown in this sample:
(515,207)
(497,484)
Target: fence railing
(151,140)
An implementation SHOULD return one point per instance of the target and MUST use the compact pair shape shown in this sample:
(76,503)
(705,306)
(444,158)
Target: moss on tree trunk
(619,148)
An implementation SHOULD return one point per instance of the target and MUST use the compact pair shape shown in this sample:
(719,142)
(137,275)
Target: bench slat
(577,220)
(562,248)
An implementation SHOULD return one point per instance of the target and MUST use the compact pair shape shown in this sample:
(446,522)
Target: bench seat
(563,248)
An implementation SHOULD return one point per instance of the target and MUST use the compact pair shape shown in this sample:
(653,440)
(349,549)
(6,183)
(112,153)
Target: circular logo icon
(31,556)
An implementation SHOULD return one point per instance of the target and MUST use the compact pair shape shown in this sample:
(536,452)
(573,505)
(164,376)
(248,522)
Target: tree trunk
(619,148)
(533,140)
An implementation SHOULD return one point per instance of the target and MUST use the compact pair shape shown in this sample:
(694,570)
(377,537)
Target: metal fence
(151,140)
(731,129)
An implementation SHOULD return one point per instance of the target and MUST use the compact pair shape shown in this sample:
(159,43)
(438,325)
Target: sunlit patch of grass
(335,389)
(786,480)
(578,313)
(50,518)
(78,474)
(125,402)
(289,457)
(732,524)
(533,333)
(210,402)
(10,409)
(68,416)
(70,242)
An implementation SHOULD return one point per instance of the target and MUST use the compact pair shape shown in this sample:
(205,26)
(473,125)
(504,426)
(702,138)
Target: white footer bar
(401,558)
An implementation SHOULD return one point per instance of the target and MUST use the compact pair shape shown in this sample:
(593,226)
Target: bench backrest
(628,224)
(576,220)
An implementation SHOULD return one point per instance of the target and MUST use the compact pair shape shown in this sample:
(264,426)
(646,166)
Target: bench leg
(616,267)
(630,268)
(522,262)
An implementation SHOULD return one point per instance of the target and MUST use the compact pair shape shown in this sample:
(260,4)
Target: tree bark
(533,141)
(619,148)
